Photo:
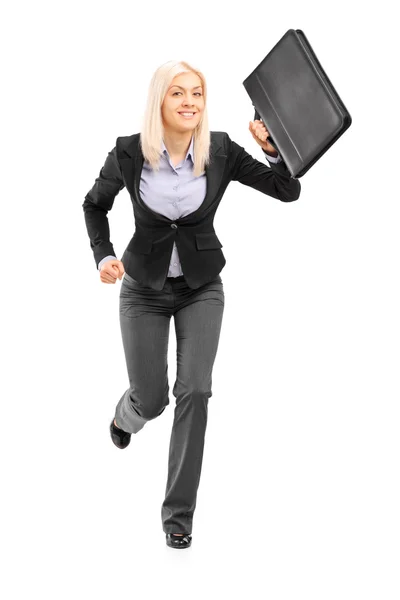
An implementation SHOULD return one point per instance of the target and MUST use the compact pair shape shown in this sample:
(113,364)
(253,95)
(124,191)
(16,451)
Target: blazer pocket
(140,245)
(207,241)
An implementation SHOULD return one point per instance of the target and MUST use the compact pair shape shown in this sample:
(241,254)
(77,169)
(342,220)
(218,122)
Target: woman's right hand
(111,270)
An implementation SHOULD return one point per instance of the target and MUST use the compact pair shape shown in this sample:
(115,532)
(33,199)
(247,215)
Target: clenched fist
(111,270)
(260,134)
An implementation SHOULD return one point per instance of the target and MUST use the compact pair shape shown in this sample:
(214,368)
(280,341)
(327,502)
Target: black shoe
(179,541)
(120,438)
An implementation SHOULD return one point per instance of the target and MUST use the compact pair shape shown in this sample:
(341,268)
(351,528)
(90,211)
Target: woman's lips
(186,117)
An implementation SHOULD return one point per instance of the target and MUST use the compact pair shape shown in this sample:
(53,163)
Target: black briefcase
(296,101)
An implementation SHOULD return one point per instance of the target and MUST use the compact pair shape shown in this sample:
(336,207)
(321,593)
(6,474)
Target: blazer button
(174,226)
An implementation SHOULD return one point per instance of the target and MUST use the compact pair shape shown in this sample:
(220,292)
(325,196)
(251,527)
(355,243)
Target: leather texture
(119,437)
(297,102)
(180,541)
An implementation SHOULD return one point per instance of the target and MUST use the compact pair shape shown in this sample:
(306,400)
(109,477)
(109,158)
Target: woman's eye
(199,93)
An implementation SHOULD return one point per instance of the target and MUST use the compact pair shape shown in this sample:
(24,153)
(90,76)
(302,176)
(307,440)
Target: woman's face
(185,94)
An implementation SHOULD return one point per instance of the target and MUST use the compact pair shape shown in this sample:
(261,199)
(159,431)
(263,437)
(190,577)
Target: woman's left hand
(260,134)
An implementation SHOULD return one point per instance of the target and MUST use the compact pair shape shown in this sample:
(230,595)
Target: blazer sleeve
(274,180)
(98,201)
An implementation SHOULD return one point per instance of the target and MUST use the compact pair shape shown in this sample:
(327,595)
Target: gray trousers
(145,318)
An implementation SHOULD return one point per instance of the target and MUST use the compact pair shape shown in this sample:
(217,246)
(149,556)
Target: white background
(299,492)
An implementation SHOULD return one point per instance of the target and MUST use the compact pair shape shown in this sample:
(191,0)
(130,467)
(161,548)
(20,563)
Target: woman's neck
(177,144)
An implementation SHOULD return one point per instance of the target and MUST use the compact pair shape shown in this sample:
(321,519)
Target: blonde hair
(152,129)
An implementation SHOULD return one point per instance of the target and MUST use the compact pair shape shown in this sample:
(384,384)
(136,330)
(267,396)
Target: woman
(176,172)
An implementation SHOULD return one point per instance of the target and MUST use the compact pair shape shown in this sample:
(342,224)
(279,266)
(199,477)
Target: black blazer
(147,255)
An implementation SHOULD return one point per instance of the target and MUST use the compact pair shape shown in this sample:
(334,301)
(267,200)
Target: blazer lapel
(132,161)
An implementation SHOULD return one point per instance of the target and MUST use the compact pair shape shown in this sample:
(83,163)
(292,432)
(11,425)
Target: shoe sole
(179,547)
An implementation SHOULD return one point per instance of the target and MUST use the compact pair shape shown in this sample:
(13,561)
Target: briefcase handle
(257,117)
